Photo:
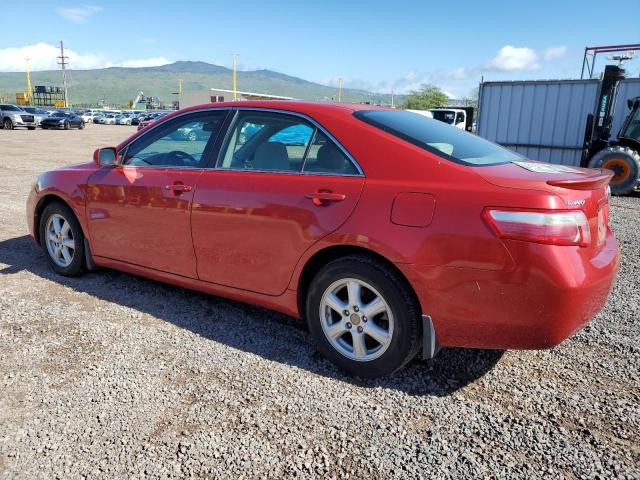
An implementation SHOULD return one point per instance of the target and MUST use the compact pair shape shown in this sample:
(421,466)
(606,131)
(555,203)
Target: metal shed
(543,120)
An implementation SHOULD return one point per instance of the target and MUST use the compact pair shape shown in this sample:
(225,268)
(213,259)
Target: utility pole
(340,89)
(29,86)
(235,79)
(179,86)
(392,104)
(62,61)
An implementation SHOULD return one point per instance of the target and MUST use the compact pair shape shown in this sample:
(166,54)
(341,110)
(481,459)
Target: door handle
(323,198)
(178,188)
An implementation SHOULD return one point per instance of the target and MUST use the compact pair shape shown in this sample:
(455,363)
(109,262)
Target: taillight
(540,226)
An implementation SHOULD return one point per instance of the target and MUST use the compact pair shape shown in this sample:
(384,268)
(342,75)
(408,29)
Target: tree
(428,96)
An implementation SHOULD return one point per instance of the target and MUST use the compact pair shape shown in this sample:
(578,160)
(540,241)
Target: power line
(62,61)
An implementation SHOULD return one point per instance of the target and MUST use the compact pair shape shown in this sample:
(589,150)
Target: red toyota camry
(388,231)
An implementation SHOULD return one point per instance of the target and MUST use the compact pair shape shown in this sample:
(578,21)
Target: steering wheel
(177,157)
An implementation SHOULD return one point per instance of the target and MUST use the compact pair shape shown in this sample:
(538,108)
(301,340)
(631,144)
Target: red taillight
(540,226)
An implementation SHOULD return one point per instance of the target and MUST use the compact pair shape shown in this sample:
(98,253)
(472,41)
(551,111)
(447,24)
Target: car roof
(308,107)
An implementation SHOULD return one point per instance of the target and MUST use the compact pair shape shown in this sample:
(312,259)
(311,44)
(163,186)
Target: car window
(266,141)
(179,143)
(436,137)
(324,156)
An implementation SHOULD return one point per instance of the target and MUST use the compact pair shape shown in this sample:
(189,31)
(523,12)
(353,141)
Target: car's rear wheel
(66,125)
(363,316)
(81,126)
(7,124)
(62,239)
(192,136)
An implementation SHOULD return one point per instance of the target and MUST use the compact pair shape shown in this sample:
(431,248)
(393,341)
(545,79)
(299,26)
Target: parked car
(149,119)
(12,116)
(64,120)
(136,118)
(124,119)
(87,116)
(390,232)
(109,119)
(38,113)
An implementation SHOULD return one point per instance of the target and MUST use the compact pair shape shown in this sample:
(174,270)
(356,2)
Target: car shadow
(259,331)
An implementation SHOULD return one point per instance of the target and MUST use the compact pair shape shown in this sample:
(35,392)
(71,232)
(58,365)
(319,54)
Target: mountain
(118,85)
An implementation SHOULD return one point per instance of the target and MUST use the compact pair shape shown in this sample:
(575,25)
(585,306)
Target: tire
(400,322)
(81,126)
(192,136)
(31,128)
(66,125)
(625,162)
(7,124)
(60,262)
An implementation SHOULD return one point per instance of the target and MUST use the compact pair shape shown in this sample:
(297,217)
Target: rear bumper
(538,304)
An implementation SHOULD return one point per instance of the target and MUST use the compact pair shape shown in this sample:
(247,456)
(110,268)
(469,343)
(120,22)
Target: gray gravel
(114,376)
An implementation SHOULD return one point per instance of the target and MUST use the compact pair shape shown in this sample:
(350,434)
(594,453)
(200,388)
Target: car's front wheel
(62,239)
(363,316)
(7,124)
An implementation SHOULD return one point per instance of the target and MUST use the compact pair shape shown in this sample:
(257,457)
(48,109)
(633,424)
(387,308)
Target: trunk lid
(584,189)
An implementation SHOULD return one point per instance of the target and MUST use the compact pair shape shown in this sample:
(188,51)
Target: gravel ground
(114,376)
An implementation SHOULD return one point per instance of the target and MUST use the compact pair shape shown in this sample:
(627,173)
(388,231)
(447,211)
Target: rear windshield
(437,137)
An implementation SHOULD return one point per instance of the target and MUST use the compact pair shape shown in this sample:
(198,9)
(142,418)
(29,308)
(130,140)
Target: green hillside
(118,85)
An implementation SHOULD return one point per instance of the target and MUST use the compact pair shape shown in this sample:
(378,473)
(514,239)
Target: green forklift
(622,154)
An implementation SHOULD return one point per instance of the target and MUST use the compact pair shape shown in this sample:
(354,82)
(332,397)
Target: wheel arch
(48,199)
(328,254)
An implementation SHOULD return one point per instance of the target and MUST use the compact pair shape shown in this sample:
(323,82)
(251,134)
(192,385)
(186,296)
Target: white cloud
(554,53)
(44,57)
(78,14)
(510,59)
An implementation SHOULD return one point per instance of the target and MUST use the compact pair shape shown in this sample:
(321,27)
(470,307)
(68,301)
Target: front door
(139,212)
(280,185)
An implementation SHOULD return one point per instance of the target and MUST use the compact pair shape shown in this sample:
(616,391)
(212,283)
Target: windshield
(436,137)
(11,108)
(446,116)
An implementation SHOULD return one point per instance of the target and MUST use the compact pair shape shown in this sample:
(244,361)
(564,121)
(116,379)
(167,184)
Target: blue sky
(377,45)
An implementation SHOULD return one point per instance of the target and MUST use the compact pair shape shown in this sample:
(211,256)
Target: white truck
(459,117)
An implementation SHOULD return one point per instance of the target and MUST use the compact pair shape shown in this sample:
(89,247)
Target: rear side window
(279,142)
(438,138)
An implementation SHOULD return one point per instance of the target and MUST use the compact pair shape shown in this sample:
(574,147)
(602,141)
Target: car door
(280,184)
(139,211)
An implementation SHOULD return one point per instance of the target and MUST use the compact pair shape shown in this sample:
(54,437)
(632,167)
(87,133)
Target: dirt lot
(114,376)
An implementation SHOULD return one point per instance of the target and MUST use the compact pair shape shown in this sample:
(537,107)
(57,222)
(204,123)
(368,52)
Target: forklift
(621,154)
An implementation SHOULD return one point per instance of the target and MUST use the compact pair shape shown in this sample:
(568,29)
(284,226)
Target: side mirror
(105,156)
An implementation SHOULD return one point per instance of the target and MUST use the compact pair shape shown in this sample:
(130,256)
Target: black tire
(31,128)
(44,127)
(81,126)
(77,265)
(7,124)
(407,332)
(66,125)
(625,162)
(192,136)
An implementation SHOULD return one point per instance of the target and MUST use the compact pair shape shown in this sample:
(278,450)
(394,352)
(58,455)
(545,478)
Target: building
(214,95)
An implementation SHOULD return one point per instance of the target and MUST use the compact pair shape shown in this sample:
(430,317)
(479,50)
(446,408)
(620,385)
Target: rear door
(279,186)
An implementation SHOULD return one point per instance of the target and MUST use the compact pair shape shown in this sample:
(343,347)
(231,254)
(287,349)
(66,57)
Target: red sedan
(388,231)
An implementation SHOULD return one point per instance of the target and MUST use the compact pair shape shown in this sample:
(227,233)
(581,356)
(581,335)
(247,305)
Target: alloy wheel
(356,319)
(60,242)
